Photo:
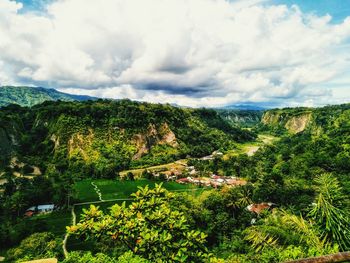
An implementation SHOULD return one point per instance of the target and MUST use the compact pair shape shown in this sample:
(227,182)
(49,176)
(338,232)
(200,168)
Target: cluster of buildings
(213,181)
(178,172)
(181,169)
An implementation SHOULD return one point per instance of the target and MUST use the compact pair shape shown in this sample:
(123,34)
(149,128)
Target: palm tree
(328,211)
(282,228)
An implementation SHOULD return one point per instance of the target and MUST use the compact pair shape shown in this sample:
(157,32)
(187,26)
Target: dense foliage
(36,246)
(81,257)
(67,141)
(304,175)
(99,138)
(149,227)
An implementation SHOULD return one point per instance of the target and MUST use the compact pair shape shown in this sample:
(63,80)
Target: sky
(211,53)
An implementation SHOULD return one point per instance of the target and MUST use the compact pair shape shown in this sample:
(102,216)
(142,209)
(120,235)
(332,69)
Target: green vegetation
(54,222)
(178,165)
(36,246)
(297,170)
(149,227)
(128,257)
(85,192)
(118,189)
(99,138)
(30,96)
(250,148)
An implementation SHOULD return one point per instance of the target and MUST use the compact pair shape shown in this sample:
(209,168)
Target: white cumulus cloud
(189,52)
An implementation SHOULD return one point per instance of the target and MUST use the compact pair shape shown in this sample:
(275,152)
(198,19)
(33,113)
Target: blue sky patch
(338,9)
(34,5)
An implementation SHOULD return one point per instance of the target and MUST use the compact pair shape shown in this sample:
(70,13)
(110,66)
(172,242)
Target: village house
(40,209)
(183,180)
(216,154)
(258,208)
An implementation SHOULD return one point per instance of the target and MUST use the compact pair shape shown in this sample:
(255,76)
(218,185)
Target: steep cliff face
(87,144)
(293,121)
(272,118)
(79,144)
(299,123)
(241,118)
(10,134)
(162,135)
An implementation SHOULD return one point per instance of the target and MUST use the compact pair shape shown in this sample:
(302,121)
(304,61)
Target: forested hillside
(313,141)
(103,137)
(29,96)
(312,120)
(305,175)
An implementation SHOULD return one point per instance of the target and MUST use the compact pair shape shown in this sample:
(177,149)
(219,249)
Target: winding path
(74,221)
(97,190)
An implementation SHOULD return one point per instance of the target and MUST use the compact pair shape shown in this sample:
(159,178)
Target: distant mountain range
(26,96)
(248,107)
(30,96)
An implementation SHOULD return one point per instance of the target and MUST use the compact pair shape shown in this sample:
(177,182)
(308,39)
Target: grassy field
(250,148)
(85,192)
(57,221)
(54,222)
(115,189)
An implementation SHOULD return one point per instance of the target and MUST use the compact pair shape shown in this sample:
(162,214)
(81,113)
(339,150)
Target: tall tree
(148,227)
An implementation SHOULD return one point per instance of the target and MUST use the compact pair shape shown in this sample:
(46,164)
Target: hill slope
(314,120)
(30,96)
(101,137)
(312,142)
